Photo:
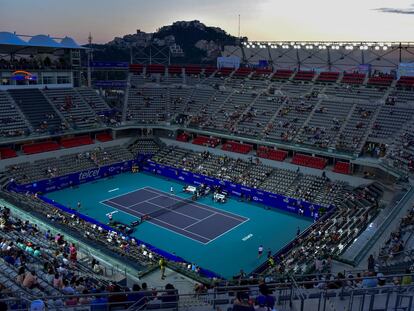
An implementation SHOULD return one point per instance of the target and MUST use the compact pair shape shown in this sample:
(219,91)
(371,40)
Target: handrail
(385,224)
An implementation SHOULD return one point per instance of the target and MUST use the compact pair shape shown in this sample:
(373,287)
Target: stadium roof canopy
(11,43)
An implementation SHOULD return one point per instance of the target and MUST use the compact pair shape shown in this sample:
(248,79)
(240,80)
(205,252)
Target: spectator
(30,280)
(369,281)
(170,294)
(265,299)
(371,263)
(100,303)
(242,302)
(407,279)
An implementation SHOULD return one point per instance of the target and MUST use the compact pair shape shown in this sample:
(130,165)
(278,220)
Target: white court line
(200,205)
(199,221)
(186,236)
(167,223)
(135,216)
(145,201)
(220,235)
(154,204)
(112,190)
(176,198)
(117,196)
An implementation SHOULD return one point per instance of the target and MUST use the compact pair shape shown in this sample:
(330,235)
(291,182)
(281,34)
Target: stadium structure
(278,179)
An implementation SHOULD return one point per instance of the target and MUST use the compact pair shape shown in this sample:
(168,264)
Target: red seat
(224,72)
(353,78)
(242,72)
(184,137)
(155,68)
(103,137)
(405,81)
(235,146)
(76,141)
(342,168)
(174,69)
(193,69)
(40,147)
(209,70)
(261,74)
(271,154)
(136,68)
(309,161)
(282,74)
(304,75)
(6,153)
(328,76)
(384,80)
(206,141)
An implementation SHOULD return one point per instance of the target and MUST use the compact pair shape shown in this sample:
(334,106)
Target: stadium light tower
(90,56)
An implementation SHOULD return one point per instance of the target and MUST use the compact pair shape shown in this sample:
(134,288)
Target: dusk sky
(261,19)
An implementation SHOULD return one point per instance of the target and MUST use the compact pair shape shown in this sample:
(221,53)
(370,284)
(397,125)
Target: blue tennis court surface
(223,238)
(193,220)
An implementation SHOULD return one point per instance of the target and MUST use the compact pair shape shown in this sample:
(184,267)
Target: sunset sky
(260,19)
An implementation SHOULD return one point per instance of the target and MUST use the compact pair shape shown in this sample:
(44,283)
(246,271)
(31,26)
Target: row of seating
(40,147)
(184,137)
(342,167)
(282,74)
(304,75)
(104,137)
(353,78)
(206,141)
(53,167)
(309,161)
(328,76)
(6,153)
(76,141)
(383,80)
(238,147)
(315,189)
(271,154)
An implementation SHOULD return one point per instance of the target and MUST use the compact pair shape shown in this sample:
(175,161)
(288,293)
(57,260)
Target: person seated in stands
(67,288)
(100,303)
(369,280)
(117,298)
(21,273)
(265,300)
(30,280)
(85,300)
(97,268)
(137,297)
(170,294)
(242,302)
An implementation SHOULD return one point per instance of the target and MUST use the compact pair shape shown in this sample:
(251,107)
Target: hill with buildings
(184,41)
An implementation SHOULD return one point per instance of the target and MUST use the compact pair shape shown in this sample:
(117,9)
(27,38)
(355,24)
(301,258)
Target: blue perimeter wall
(276,201)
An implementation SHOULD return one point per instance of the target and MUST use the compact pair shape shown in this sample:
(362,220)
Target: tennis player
(260,251)
(172,190)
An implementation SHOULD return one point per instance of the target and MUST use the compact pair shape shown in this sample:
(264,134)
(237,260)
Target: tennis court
(209,234)
(193,220)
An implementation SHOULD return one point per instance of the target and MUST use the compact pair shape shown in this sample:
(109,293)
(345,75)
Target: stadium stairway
(10,100)
(126,98)
(35,107)
(344,124)
(4,180)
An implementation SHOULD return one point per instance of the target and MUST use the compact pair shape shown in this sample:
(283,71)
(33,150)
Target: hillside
(188,42)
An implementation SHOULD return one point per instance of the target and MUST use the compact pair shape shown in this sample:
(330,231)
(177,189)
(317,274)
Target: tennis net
(164,210)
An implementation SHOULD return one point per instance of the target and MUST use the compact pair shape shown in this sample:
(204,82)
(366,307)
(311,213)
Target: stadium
(277,175)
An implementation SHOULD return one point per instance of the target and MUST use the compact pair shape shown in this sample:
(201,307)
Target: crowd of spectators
(33,64)
(395,247)
(252,173)
(47,264)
